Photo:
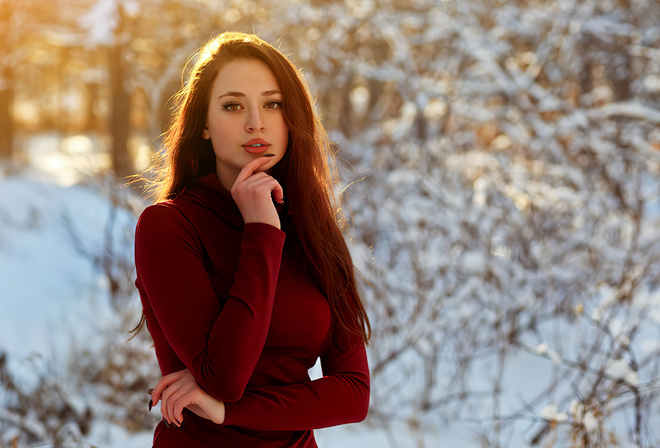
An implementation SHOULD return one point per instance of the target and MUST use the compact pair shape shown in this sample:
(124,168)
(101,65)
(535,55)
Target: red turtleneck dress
(231,302)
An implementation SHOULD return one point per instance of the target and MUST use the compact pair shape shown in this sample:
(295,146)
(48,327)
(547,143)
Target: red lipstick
(256,146)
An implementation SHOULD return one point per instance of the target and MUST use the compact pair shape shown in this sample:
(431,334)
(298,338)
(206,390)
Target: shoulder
(159,215)
(162,234)
(164,219)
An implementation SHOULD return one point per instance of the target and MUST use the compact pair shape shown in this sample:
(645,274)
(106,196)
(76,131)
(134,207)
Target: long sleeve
(219,344)
(340,397)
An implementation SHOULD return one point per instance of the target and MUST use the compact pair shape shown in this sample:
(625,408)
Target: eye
(273,105)
(232,107)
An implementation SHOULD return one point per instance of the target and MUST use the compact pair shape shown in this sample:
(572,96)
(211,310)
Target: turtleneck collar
(210,193)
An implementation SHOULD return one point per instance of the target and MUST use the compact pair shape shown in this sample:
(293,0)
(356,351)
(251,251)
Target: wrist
(273,220)
(219,414)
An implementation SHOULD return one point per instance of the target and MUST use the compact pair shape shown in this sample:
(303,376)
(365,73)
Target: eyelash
(229,106)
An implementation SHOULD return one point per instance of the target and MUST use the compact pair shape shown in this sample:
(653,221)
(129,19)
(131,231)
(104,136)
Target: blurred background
(501,165)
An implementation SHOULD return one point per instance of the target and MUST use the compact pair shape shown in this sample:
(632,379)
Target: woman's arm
(180,390)
(340,397)
(337,398)
(220,349)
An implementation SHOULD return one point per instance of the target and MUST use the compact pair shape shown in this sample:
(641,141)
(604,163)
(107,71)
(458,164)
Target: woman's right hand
(252,192)
(180,390)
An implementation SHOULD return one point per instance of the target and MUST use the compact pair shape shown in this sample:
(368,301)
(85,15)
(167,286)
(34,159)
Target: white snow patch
(620,369)
(590,423)
(549,412)
(473,261)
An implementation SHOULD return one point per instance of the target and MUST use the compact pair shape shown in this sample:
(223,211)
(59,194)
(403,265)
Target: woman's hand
(180,390)
(252,192)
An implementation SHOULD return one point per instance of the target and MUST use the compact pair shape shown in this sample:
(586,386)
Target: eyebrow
(241,94)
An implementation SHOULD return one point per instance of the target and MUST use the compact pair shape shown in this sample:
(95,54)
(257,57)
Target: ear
(206,135)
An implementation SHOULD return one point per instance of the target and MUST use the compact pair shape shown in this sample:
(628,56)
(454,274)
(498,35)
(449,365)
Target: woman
(244,276)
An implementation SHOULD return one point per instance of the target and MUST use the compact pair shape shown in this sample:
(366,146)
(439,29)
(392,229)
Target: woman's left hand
(180,390)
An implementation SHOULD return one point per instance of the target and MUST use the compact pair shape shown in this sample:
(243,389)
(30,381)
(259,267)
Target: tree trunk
(90,101)
(119,116)
(346,111)
(6,116)
(621,79)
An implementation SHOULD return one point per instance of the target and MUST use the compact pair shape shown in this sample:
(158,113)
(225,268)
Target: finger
(250,167)
(185,400)
(256,177)
(268,182)
(278,193)
(179,400)
(273,185)
(166,399)
(163,383)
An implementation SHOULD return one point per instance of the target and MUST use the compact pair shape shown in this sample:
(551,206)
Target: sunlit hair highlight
(305,172)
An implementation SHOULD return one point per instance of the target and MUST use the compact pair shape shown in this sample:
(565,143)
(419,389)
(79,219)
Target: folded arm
(171,271)
(340,397)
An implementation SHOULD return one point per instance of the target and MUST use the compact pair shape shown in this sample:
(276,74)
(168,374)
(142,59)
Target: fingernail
(166,424)
(151,404)
(150,391)
(269,155)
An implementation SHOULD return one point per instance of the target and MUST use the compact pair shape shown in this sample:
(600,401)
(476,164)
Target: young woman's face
(245,119)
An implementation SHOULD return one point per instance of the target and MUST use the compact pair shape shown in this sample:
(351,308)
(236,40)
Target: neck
(227,177)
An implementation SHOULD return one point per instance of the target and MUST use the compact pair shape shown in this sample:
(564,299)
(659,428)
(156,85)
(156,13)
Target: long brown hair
(304,172)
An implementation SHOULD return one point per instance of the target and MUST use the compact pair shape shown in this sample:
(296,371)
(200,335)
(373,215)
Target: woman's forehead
(245,77)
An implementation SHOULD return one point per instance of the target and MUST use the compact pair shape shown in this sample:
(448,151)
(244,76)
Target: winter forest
(500,170)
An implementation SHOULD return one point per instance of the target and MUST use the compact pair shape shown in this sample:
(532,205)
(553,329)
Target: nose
(254,122)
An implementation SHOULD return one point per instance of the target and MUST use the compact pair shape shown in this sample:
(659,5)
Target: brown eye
(232,107)
(273,104)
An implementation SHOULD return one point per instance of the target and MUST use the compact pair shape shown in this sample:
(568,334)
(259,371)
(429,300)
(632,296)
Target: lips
(256,146)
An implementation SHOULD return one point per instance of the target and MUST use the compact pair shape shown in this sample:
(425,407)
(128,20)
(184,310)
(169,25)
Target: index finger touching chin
(252,166)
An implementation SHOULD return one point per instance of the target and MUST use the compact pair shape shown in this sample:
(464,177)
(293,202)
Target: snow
(48,289)
(621,369)
(590,423)
(549,412)
(542,348)
(474,262)
(627,109)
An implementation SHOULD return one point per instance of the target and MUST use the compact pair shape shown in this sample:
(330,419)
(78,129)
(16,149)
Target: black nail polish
(269,155)
(166,424)
(151,404)
(149,392)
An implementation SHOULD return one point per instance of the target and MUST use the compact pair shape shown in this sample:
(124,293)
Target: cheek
(219,129)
